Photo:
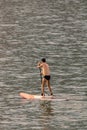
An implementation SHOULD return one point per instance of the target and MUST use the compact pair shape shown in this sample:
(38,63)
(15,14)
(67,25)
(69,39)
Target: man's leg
(48,84)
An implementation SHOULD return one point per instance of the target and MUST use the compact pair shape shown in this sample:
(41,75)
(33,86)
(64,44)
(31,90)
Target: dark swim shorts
(47,77)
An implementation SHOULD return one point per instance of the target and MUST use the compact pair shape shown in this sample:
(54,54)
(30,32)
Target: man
(45,72)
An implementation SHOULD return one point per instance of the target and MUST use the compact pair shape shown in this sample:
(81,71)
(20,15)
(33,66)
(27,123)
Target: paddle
(40,75)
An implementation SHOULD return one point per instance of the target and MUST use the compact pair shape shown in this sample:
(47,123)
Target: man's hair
(43,60)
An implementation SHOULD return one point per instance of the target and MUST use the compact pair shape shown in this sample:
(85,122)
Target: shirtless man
(45,72)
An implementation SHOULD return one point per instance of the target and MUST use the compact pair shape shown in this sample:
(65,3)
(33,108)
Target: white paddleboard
(31,97)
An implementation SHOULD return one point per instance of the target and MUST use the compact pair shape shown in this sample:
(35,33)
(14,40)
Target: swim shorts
(47,77)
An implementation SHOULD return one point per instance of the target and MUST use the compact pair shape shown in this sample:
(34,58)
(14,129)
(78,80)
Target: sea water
(29,31)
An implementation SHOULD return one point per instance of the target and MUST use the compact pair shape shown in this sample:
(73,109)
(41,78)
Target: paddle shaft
(40,75)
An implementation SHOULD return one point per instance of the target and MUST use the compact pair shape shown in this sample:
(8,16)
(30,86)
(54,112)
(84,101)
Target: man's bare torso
(45,69)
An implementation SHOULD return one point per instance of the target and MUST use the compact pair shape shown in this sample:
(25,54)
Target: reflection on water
(30,30)
(46,114)
(46,106)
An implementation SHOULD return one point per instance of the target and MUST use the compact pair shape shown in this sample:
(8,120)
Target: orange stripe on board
(27,96)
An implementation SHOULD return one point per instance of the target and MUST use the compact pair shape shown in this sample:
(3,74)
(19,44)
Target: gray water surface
(30,30)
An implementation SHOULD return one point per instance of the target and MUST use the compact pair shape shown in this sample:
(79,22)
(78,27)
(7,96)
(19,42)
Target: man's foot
(42,94)
(51,94)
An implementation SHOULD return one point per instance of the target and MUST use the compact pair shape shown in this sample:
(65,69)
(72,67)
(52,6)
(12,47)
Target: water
(30,30)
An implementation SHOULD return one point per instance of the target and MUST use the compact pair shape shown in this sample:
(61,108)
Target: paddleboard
(31,97)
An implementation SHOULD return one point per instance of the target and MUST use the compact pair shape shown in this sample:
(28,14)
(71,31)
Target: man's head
(43,60)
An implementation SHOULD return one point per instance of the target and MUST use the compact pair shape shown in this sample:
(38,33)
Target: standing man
(45,72)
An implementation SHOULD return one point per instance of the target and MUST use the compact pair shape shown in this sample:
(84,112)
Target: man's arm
(39,65)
